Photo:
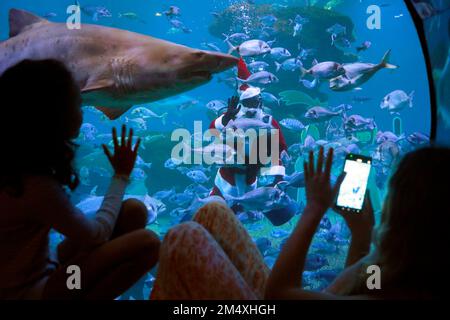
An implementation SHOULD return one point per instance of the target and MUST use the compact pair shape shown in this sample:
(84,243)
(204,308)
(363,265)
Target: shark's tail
(385,61)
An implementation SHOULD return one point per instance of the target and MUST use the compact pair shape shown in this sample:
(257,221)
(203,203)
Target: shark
(114,68)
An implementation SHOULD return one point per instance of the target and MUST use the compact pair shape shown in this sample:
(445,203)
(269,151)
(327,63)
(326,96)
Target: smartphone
(353,189)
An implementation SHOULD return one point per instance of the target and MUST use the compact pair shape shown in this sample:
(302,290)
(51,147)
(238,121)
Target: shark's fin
(113,113)
(20,20)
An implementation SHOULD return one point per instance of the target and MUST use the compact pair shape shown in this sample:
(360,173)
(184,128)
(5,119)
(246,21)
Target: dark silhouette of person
(41,115)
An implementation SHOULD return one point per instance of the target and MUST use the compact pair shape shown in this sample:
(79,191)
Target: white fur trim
(273,171)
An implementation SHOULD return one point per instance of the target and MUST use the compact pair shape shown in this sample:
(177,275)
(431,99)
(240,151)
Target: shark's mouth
(196,76)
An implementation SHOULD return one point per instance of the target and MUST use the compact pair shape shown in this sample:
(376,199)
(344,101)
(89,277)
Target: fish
(280,53)
(286,160)
(250,48)
(301,20)
(261,199)
(138,174)
(88,132)
(315,261)
(236,37)
(280,233)
(247,123)
(181,198)
(95,12)
(309,84)
(324,70)
(268,19)
(261,77)
(145,113)
(263,244)
(292,65)
(211,46)
(216,106)
(297,29)
(320,114)
(140,163)
(257,66)
(389,136)
(292,124)
(336,31)
(418,138)
(172,163)
(356,74)
(197,189)
(138,124)
(357,123)
(295,149)
(305,53)
(198,203)
(364,46)
(188,104)
(173,11)
(197,176)
(177,24)
(131,16)
(127,68)
(270,99)
(215,153)
(295,180)
(396,101)
(164,194)
(324,248)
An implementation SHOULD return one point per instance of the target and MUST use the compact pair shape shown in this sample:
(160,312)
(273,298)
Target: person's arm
(52,206)
(68,220)
(285,280)
(361,227)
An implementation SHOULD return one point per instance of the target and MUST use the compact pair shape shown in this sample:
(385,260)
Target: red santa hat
(244,74)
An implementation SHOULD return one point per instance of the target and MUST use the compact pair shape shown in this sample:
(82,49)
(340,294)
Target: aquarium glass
(383,117)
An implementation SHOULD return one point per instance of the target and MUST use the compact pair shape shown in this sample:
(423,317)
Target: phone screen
(353,189)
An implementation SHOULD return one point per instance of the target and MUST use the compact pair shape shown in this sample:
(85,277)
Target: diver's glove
(232,110)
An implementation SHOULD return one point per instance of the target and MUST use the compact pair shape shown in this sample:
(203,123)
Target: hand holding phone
(360,224)
(353,189)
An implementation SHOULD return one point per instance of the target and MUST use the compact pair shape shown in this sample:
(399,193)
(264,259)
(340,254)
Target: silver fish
(356,74)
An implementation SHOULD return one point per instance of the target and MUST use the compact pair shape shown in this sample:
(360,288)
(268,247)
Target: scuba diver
(235,181)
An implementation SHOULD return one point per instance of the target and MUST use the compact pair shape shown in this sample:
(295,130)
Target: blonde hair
(411,242)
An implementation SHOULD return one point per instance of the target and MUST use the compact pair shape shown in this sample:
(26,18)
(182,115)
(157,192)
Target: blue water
(398,34)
